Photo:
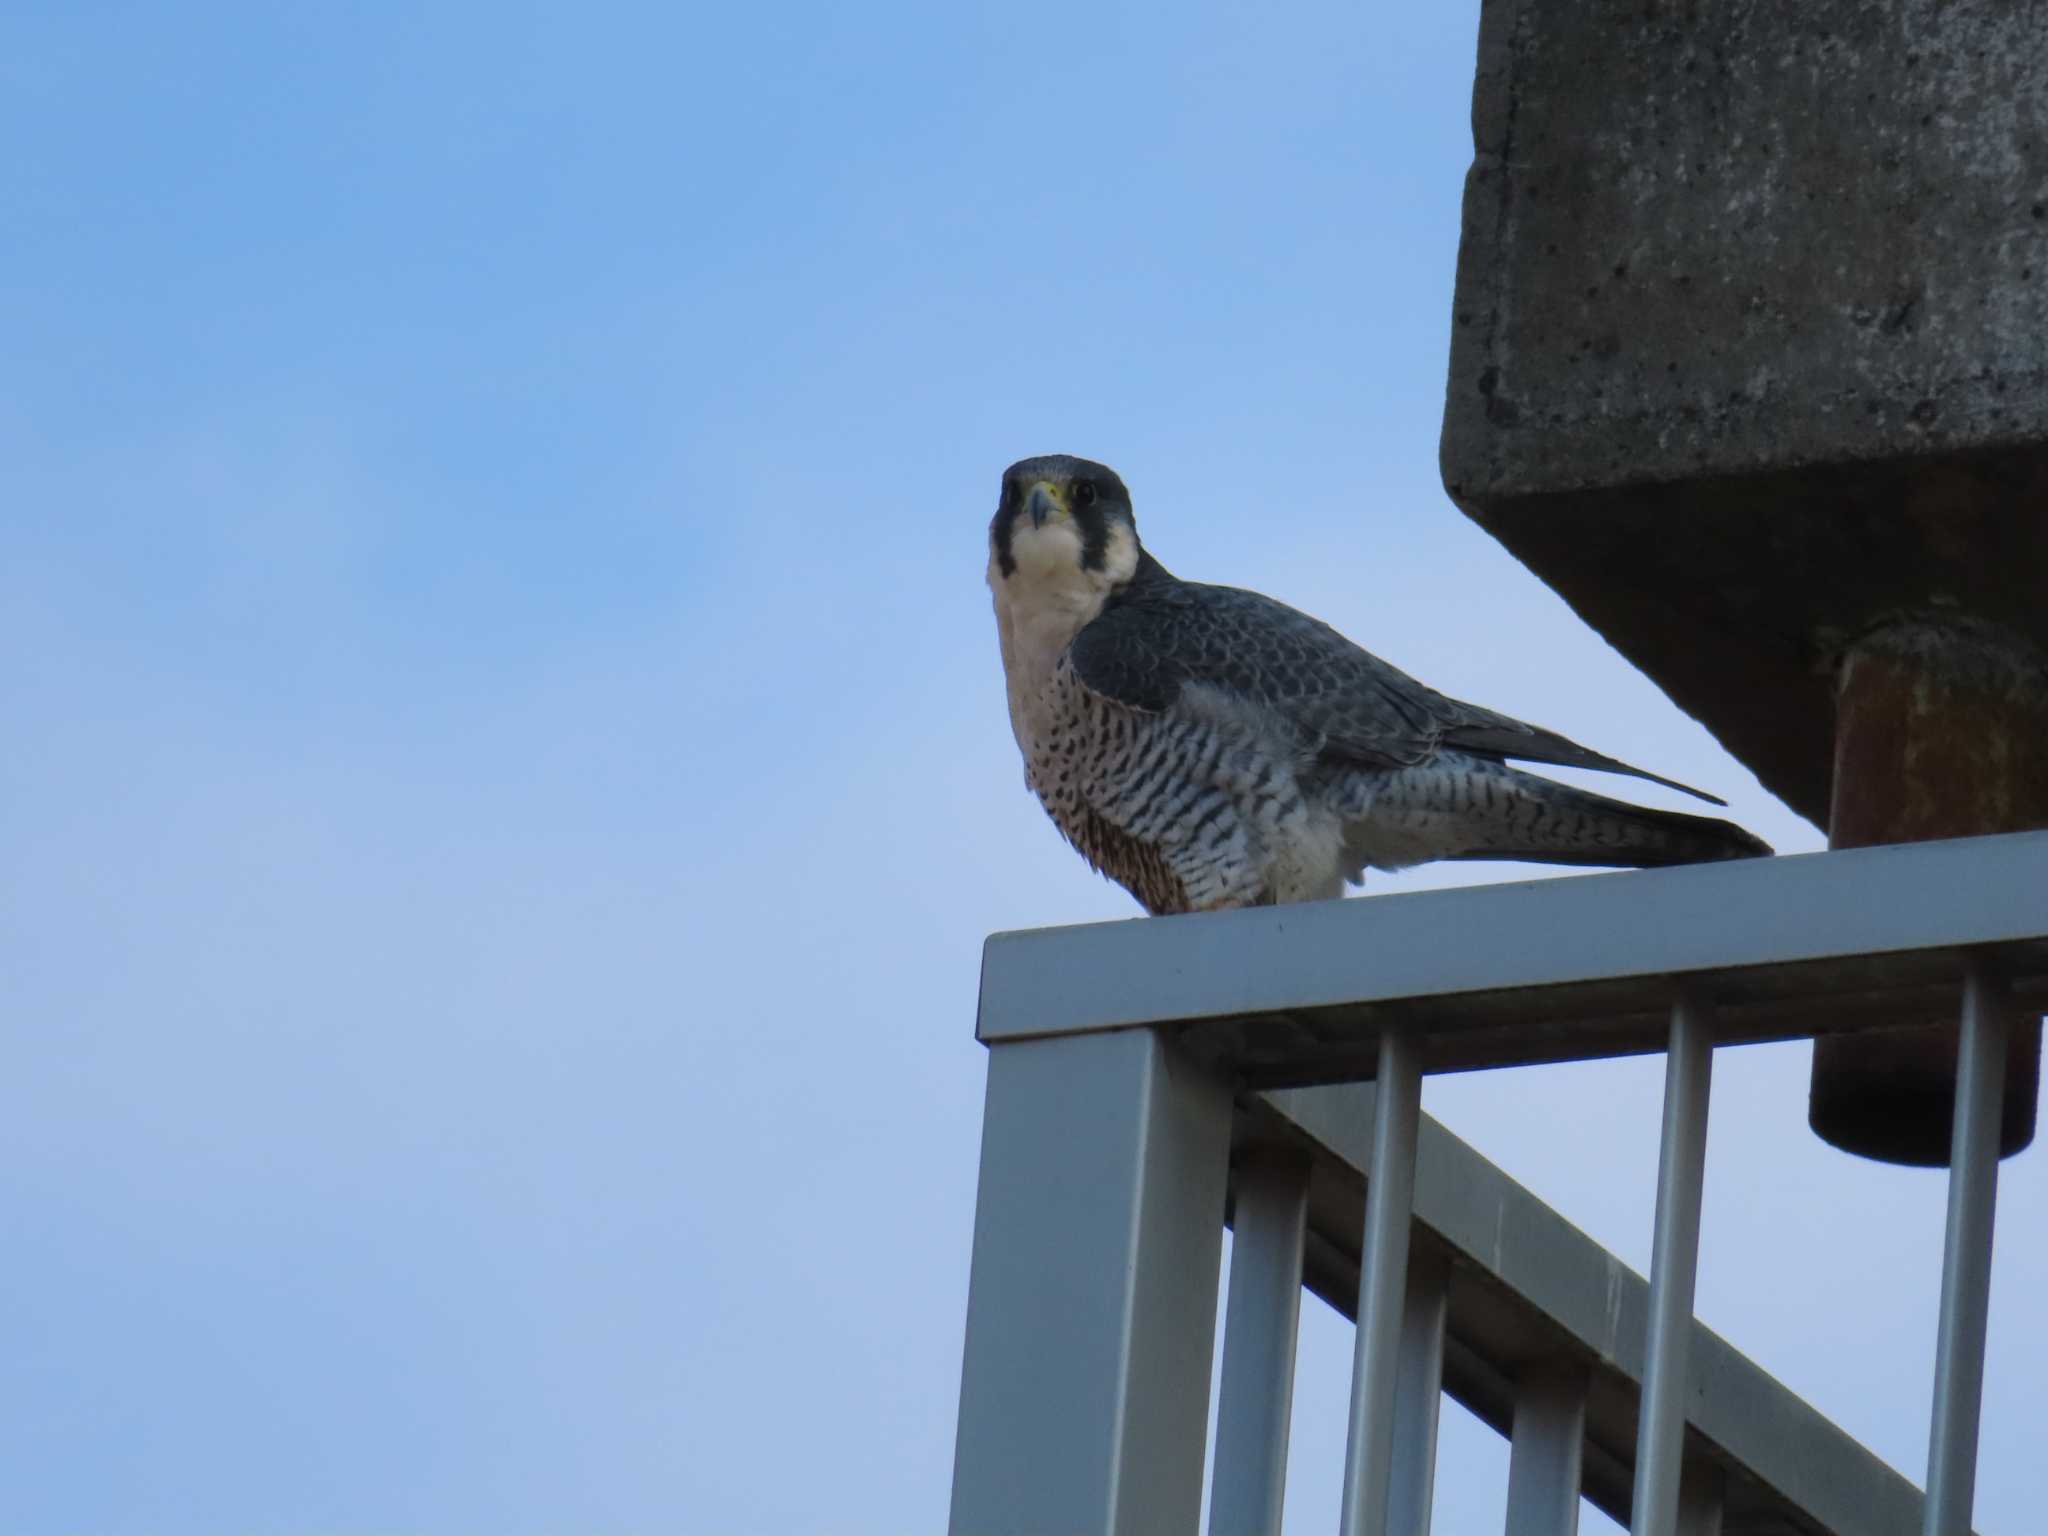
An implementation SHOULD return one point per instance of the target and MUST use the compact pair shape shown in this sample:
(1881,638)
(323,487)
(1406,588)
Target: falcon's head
(1065,523)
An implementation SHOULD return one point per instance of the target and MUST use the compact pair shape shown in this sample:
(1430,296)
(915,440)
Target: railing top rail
(1549,970)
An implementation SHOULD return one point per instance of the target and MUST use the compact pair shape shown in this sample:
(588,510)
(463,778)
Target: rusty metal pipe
(1941,730)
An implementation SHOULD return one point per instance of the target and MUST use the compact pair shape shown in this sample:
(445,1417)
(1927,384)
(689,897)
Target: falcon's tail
(1551,823)
(1491,811)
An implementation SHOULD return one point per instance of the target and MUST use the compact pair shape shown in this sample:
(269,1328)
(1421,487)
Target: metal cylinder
(1941,730)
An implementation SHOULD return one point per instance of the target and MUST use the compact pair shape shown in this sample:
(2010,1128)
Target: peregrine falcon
(1207,747)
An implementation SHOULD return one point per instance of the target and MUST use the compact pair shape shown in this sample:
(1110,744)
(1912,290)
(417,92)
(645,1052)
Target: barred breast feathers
(1041,604)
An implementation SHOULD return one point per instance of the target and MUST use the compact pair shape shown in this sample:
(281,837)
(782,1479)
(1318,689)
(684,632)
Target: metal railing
(1143,1075)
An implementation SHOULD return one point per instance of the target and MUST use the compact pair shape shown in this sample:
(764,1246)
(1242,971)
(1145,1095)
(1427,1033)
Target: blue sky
(507,771)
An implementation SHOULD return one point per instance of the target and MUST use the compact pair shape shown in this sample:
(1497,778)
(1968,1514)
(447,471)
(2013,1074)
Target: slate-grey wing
(1151,644)
(1355,708)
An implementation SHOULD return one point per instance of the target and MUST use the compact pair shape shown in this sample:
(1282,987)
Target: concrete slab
(1750,348)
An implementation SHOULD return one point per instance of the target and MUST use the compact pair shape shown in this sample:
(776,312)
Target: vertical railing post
(1548,1439)
(1418,1394)
(1966,1253)
(1261,1322)
(1674,1266)
(1091,1307)
(1382,1286)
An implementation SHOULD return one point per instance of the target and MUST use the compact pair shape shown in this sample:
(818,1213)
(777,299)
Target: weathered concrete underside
(1751,340)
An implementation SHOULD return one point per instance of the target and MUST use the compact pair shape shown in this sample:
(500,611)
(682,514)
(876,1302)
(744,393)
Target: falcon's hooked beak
(1044,501)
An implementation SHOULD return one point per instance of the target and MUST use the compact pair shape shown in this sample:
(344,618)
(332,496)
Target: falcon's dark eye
(1084,493)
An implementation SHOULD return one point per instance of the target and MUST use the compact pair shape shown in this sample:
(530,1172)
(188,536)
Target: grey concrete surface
(1750,341)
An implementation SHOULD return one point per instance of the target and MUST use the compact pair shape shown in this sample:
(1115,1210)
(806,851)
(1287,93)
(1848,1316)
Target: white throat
(1046,600)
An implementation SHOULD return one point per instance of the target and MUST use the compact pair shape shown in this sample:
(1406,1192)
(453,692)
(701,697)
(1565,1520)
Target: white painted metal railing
(1127,1063)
